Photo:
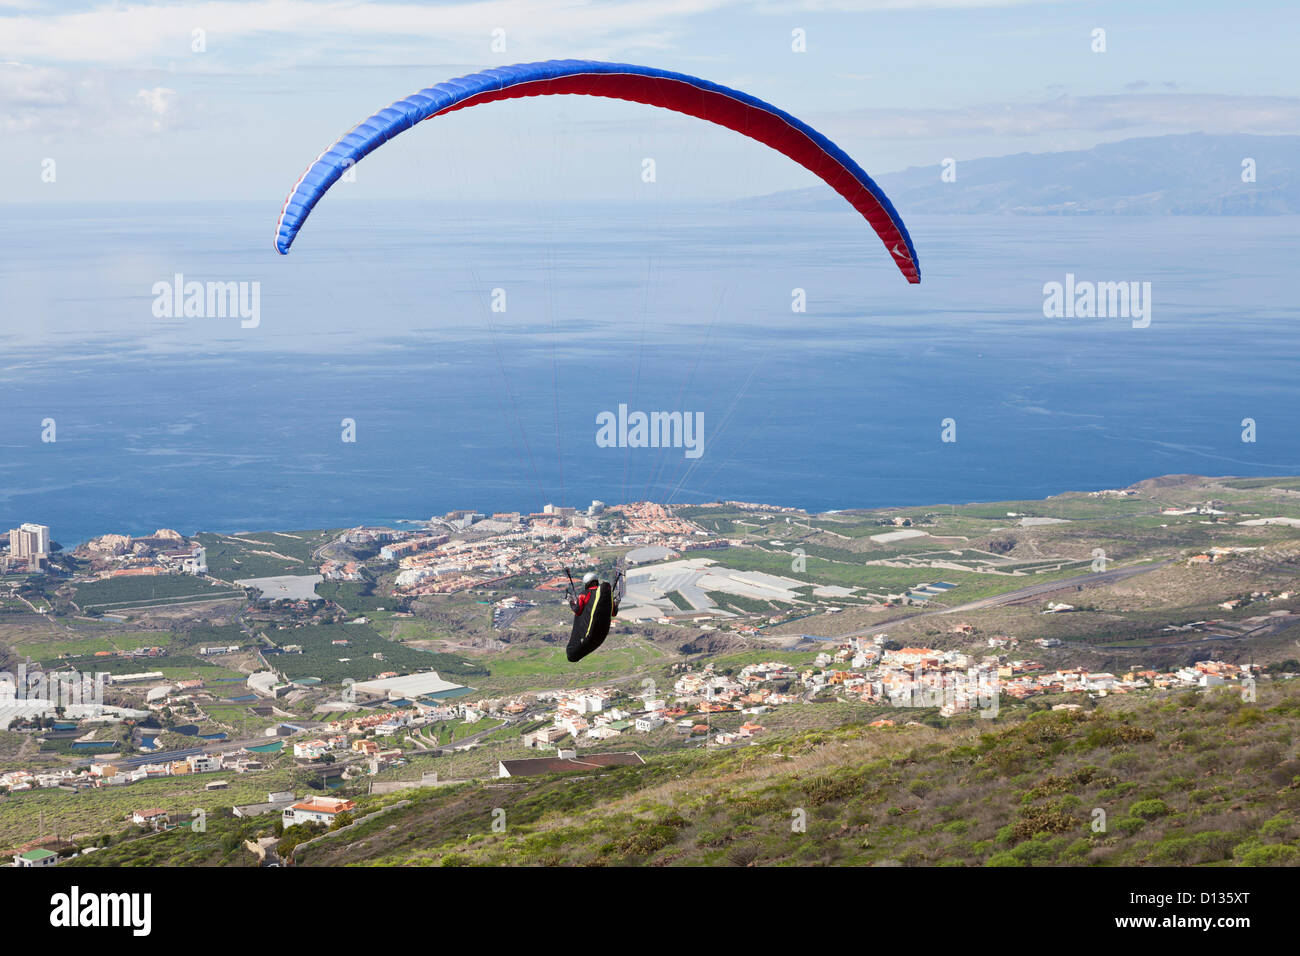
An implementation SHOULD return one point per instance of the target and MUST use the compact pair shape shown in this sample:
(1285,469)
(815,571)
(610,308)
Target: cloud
(1172,112)
(156,103)
(142,33)
(42,99)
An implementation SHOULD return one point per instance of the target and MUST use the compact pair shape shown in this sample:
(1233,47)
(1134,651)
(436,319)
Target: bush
(1275,827)
(743,855)
(1150,809)
(1077,852)
(1045,819)
(1274,854)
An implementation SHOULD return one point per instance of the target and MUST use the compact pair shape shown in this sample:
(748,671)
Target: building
(317,810)
(149,818)
(544,736)
(408,687)
(30,542)
(197,562)
(34,536)
(36,858)
(276,802)
(203,763)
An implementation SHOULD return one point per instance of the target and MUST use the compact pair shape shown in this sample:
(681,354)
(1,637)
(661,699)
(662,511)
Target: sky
(232,99)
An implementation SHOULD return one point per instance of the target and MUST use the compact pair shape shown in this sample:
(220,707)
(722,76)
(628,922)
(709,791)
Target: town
(297,676)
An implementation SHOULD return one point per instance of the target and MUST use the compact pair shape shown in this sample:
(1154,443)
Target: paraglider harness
(617,587)
(592,617)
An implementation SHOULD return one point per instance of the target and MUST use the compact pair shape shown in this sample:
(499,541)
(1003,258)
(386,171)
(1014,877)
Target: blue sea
(383,314)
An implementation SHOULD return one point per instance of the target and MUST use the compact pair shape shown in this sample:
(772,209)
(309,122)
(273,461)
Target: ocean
(473,347)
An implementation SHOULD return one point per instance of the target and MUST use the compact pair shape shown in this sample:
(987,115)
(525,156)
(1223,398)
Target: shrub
(1150,809)
(742,855)
(1045,819)
(1276,826)
(1274,854)
(1077,852)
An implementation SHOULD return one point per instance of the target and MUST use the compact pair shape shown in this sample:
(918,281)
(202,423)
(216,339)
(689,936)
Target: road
(1091,580)
(474,738)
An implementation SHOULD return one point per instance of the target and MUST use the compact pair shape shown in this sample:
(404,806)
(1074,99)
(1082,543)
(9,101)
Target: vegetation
(322,658)
(1187,778)
(117,594)
(263,554)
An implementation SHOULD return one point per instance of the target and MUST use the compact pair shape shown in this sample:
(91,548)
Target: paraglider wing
(640,84)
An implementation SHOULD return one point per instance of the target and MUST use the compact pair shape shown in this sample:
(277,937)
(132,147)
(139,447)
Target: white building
(204,763)
(197,562)
(36,858)
(591,703)
(317,810)
(29,541)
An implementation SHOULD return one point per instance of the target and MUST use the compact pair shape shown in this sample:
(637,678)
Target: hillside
(1130,605)
(1187,778)
(1179,175)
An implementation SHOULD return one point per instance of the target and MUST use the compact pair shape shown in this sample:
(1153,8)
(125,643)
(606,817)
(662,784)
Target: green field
(179,667)
(107,810)
(320,658)
(536,666)
(119,594)
(263,554)
(355,597)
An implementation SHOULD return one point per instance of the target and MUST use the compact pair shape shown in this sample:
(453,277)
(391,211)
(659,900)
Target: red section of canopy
(759,124)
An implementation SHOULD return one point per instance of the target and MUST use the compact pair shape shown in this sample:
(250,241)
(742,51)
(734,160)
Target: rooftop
(531,767)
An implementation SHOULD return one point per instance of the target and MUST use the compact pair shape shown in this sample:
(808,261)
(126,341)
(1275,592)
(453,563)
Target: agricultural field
(222,844)
(114,595)
(263,554)
(355,597)
(107,810)
(320,658)
(531,667)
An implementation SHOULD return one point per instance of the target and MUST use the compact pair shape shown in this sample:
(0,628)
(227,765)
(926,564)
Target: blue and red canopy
(640,84)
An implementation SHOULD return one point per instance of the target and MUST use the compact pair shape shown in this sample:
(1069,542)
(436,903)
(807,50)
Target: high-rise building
(30,541)
(42,533)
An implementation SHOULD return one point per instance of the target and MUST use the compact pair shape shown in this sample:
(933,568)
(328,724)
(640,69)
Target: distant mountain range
(1193,174)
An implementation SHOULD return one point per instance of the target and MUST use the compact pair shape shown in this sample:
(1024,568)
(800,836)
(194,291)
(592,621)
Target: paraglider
(596,603)
(593,608)
(675,91)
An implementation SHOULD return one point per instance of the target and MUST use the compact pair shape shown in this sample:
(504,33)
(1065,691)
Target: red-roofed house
(317,810)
